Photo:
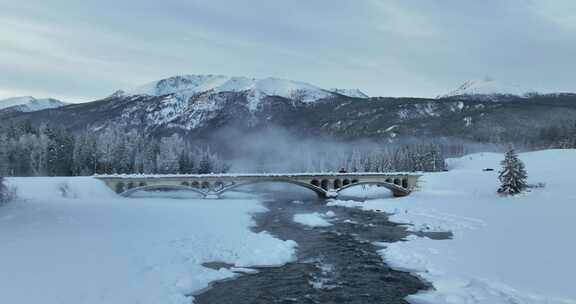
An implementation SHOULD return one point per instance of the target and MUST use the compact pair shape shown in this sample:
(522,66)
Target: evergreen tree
(186,163)
(168,158)
(3,191)
(151,152)
(6,194)
(4,168)
(205,166)
(513,175)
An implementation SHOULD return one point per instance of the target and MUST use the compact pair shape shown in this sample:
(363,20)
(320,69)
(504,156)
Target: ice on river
(505,249)
(71,240)
(313,219)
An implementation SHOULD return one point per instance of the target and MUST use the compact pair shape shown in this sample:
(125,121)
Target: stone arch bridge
(326,185)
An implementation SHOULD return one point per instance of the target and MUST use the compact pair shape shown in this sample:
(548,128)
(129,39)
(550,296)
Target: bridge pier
(331,194)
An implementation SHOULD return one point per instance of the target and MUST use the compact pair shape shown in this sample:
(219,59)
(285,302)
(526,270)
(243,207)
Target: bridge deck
(227,175)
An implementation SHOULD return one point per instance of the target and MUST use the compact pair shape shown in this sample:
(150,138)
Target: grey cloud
(384,47)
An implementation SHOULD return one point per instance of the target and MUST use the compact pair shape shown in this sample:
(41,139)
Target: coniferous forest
(26,150)
(47,151)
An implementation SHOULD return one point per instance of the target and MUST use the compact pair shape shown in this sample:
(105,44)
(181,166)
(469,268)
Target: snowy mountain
(488,88)
(209,115)
(356,93)
(187,86)
(29,104)
(192,101)
(204,107)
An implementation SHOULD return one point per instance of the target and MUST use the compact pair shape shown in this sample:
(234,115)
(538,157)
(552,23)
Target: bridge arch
(315,182)
(120,187)
(397,190)
(218,185)
(324,184)
(159,187)
(337,183)
(318,190)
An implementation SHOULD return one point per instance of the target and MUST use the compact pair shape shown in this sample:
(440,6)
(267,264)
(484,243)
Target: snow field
(504,249)
(94,247)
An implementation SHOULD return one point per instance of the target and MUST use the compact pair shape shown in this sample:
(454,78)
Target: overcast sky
(83,49)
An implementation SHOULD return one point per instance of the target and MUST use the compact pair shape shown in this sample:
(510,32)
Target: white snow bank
(313,219)
(94,247)
(32,188)
(505,249)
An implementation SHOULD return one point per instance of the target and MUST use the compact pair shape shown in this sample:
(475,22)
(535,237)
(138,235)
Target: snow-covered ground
(70,240)
(505,249)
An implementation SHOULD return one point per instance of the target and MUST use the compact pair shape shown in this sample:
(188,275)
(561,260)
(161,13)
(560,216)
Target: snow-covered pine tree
(205,166)
(513,175)
(3,155)
(6,194)
(3,191)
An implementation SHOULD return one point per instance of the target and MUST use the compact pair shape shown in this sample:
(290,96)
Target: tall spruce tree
(6,194)
(513,175)
(3,191)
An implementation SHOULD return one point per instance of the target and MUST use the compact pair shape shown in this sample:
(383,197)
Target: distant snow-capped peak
(357,93)
(193,84)
(488,87)
(30,104)
(188,85)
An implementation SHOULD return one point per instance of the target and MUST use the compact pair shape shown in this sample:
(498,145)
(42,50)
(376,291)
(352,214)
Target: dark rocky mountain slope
(200,107)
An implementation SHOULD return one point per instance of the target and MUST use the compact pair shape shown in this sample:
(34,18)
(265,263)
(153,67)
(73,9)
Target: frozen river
(336,262)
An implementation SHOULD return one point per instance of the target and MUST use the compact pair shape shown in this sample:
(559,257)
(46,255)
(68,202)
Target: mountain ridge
(29,104)
(202,108)
(489,88)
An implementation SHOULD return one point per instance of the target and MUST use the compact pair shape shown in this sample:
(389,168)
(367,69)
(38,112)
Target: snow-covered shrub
(513,175)
(7,194)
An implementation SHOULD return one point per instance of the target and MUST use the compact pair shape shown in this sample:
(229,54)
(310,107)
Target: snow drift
(71,240)
(505,249)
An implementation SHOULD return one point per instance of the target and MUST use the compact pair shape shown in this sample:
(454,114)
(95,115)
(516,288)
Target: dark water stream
(334,264)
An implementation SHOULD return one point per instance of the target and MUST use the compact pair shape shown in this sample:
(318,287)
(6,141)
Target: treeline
(370,158)
(46,151)
(560,136)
